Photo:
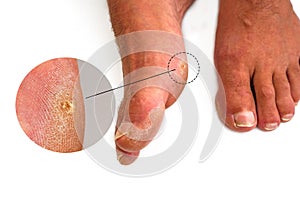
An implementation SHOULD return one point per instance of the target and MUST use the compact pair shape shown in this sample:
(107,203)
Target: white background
(254,168)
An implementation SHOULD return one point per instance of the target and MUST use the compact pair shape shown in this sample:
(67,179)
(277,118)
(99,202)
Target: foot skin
(49,105)
(257,54)
(144,15)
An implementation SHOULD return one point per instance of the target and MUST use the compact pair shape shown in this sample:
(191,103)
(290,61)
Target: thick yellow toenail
(119,134)
(271,126)
(244,119)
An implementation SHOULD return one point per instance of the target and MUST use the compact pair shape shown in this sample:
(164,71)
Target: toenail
(287,117)
(119,135)
(124,158)
(271,126)
(244,119)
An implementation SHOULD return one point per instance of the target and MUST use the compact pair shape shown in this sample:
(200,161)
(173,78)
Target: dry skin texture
(145,15)
(257,55)
(48,101)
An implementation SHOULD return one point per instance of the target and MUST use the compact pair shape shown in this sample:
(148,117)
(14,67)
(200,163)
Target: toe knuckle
(285,87)
(296,98)
(267,91)
(285,101)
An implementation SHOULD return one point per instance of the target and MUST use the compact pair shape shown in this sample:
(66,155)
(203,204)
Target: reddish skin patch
(258,49)
(140,107)
(145,15)
(49,103)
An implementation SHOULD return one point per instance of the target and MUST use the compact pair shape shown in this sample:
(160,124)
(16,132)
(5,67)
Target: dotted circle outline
(188,53)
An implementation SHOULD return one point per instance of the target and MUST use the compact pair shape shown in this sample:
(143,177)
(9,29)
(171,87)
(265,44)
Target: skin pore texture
(145,15)
(257,55)
(50,107)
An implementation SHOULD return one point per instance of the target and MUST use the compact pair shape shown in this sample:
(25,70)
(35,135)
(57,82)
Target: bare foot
(129,16)
(257,55)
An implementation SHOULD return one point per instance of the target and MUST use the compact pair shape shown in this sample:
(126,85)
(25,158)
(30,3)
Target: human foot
(146,104)
(257,54)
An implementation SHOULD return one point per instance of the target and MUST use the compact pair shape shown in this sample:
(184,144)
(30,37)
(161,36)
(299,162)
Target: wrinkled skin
(145,15)
(49,103)
(257,55)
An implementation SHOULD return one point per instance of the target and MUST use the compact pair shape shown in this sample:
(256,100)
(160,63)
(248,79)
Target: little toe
(284,101)
(268,116)
(293,74)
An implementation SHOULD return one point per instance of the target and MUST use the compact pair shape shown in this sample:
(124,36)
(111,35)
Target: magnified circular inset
(50,105)
(99,112)
(193,65)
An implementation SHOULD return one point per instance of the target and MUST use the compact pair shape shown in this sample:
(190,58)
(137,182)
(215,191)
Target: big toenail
(287,117)
(125,159)
(271,126)
(119,135)
(244,119)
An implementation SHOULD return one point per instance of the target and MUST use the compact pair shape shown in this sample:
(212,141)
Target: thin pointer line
(125,85)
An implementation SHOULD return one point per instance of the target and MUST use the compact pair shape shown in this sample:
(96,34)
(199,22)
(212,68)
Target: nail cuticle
(287,117)
(244,125)
(271,126)
(244,119)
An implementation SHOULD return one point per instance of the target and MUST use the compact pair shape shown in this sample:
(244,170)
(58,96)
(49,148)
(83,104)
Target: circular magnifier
(51,106)
(100,109)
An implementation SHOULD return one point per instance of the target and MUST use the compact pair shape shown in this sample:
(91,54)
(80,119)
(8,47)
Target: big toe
(139,120)
(239,112)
